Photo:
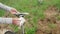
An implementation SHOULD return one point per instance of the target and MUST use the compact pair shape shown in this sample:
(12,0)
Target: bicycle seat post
(21,16)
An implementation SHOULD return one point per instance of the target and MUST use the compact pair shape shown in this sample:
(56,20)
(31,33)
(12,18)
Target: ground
(49,25)
(43,17)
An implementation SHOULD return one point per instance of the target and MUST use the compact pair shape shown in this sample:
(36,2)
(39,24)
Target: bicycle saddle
(21,14)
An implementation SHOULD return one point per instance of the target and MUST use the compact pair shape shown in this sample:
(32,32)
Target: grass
(33,8)
(52,26)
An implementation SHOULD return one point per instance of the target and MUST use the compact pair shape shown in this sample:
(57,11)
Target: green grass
(33,8)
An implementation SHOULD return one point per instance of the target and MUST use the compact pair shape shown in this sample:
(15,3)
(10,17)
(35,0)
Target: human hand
(13,11)
(16,21)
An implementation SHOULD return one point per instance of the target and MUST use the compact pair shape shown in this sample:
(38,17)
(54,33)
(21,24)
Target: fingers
(16,21)
(13,11)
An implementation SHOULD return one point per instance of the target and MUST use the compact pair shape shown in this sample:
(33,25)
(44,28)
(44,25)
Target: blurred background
(43,18)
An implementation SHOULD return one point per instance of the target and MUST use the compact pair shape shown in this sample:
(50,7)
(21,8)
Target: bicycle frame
(22,21)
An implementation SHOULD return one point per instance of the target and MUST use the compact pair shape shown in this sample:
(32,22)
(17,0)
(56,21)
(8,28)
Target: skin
(13,11)
(16,21)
